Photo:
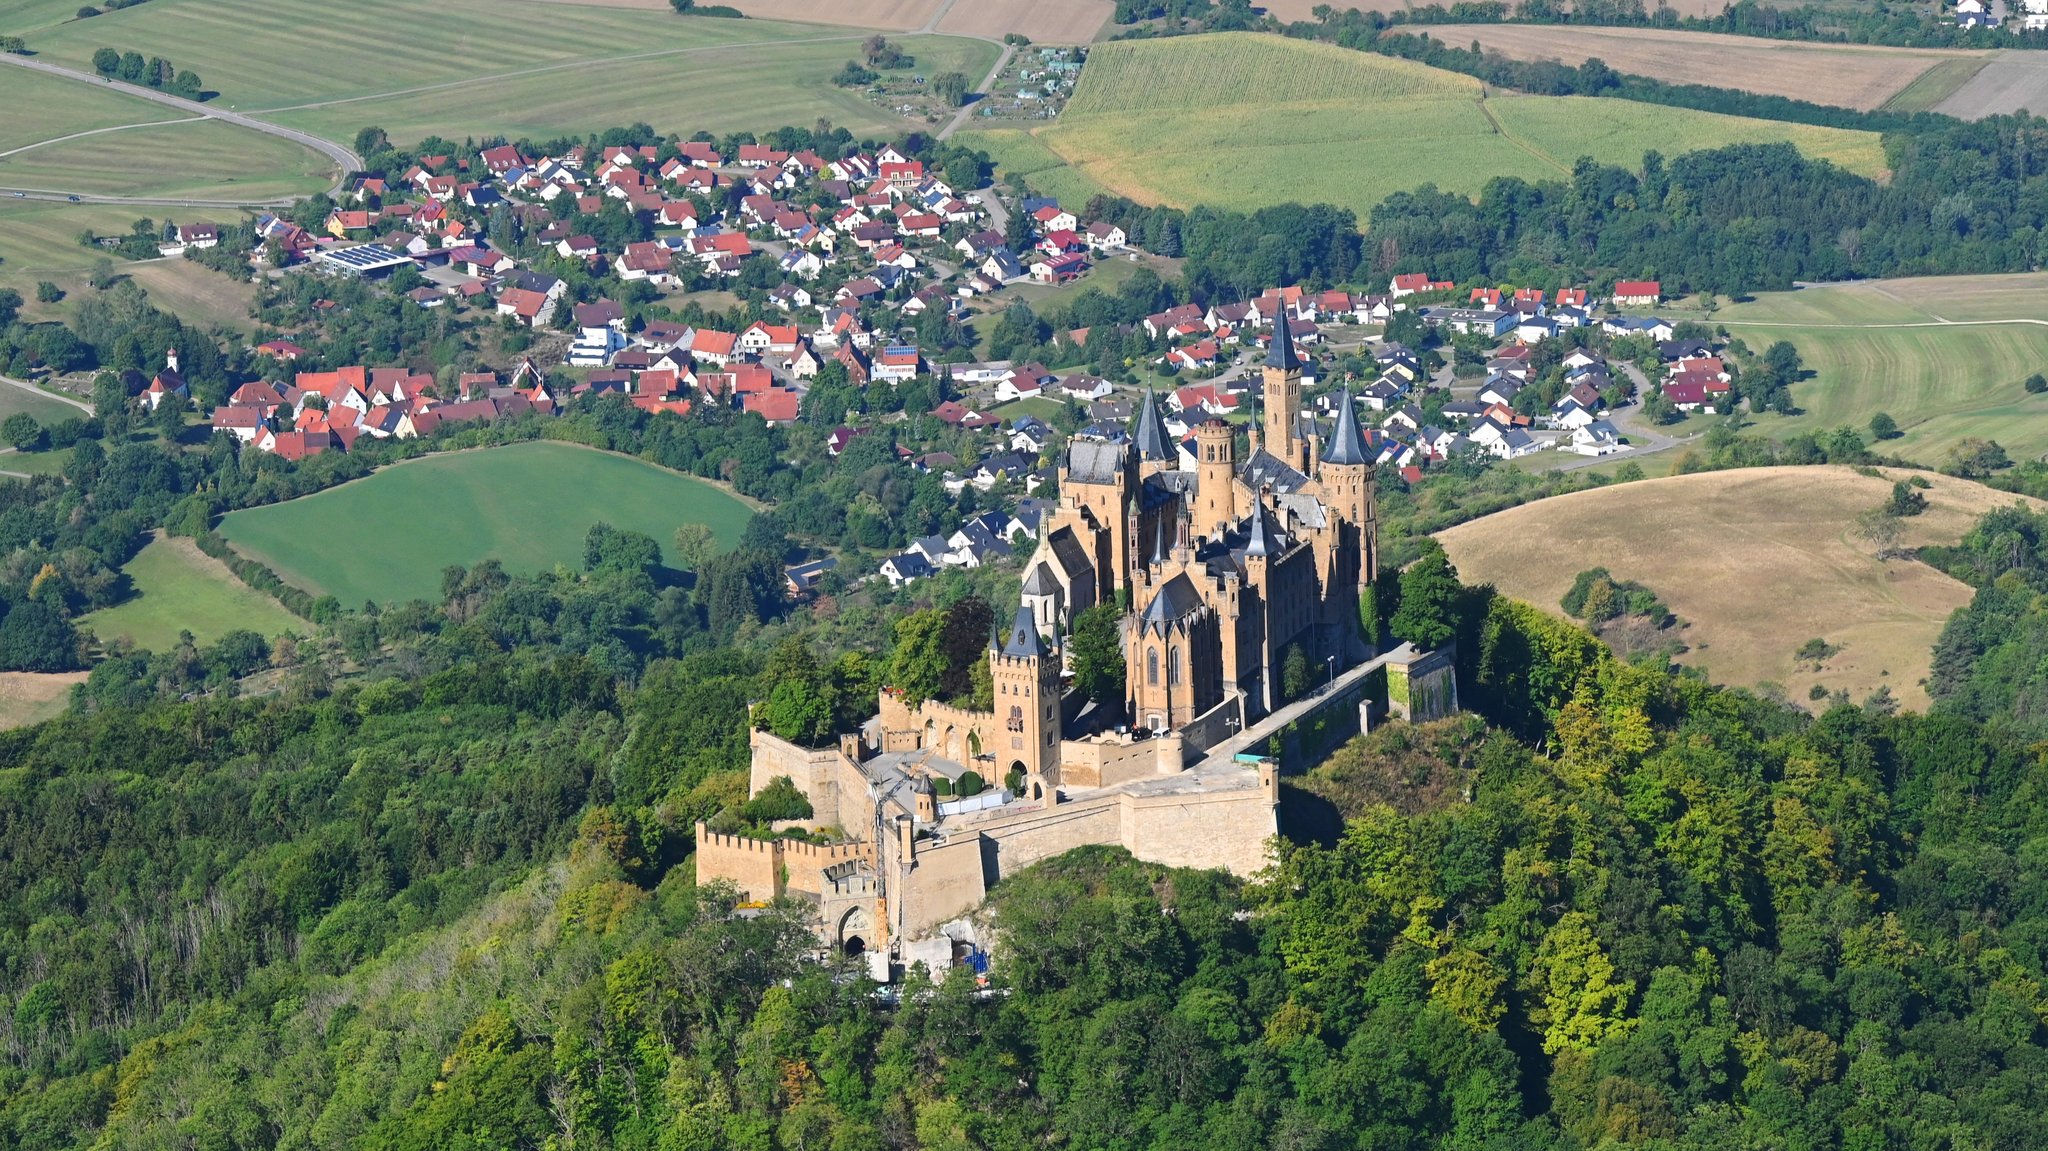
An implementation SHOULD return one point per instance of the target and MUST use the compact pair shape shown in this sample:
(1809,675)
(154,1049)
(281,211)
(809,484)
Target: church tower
(1025,675)
(1283,395)
(1215,478)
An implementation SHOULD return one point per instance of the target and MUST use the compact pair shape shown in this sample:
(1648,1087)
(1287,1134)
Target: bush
(970,783)
(88,12)
(1883,427)
(854,76)
(47,292)
(1816,692)
(942,787)
(2036,384)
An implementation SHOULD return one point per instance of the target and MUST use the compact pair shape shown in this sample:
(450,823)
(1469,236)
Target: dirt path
(25,386)
(1517,141)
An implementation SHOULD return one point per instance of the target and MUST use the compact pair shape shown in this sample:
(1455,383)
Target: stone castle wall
(766,868)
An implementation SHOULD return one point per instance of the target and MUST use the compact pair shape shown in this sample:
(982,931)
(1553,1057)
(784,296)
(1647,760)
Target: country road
(344,160)
(25,386)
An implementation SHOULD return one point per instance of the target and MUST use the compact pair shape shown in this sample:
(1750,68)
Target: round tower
(1215,478)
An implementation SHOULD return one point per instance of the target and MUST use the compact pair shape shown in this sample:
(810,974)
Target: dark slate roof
(1150,435)
(1024,642)
(1176,600)
(1281,354)
(1346,445)
(1259,537)
(1094,461)
(1265,469)
(1041,580)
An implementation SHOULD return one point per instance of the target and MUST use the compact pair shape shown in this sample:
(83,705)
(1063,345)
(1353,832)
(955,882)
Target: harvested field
(28,697)
(888,15)
(1756,562)
(1847,76)
(2011,81)
(1044,21)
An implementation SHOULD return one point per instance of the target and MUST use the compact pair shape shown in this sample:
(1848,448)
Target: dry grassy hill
(1755,562)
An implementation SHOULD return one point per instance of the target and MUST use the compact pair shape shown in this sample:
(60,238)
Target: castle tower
(1262,548)
(1347,552)
(1215,478)
(1154,446)
(1026,677)
(1283,394)
(1345,469)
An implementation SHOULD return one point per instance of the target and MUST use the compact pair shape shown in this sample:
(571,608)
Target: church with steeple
(1224,568)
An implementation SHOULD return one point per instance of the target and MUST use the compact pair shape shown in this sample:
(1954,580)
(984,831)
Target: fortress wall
(1219,829)
(807,862)
(814,772)
(946,882)
(753,865)
(1089,763)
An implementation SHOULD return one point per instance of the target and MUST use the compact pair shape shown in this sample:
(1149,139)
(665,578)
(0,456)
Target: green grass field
(40,107)
(1943,355)
(479,67)
(46,409)
(388,537)
(180,588)
(1936,84)
(207,160)
(1241,120)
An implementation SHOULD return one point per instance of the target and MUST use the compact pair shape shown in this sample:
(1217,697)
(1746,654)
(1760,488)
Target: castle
(1225,568)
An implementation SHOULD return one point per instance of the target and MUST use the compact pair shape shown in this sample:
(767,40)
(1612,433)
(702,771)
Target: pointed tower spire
(1281,353)
(1346,444)
(1025,642)
(1150,437)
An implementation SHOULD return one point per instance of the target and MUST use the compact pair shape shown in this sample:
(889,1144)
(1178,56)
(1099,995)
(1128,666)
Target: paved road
(344,160)
(987,84)
(25,386)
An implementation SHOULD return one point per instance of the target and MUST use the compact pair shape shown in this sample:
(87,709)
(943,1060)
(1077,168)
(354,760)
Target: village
(854,259)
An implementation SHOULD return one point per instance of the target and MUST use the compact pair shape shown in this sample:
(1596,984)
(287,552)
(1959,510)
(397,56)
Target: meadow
(179,588)
(28,697)
(1944,356)
(1721,547)
(463,67)
(388,536)
(41,107)
(1848,76)
(205,160)
(39,241)
(46,409)
(1242,120)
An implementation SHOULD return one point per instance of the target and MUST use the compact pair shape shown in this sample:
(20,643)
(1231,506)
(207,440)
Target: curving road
(25,386)
(344,160)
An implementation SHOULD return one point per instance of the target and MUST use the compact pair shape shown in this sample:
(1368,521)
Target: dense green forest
(455,911)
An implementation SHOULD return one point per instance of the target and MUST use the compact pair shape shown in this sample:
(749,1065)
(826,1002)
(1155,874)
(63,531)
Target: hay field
(527,505)
(1847,76)
(1945,356)
(199,160)
(1242,120)
(179,588)
(2011,81)
(888,15)
(461,67)
(42,107)
(1756,562)
(783,83)
(1044,21)
(39,241)
(28,697)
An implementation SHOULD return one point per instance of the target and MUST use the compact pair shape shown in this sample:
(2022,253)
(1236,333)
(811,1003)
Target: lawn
(1883,346)
(179,588)
(206,160)
(1723,548)
(387,537)
(1241,120)
(481,67)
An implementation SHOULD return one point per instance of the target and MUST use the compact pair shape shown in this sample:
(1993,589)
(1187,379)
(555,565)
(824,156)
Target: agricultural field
(1242,120)
(526,505)
(1721,548)
(2013,80)
(179,588)
(42,107)
(39,241)
(47,410)
(463,67)
(1945,356)
(1848,76)
(205,159)
(1044,21)
(28,697)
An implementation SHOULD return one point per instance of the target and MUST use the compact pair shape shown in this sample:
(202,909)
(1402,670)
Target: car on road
(73,199)
(21,195)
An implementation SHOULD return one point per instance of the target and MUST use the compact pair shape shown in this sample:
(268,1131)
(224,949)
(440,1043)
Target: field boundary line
(1937,322)
(1502,130)
(99,131)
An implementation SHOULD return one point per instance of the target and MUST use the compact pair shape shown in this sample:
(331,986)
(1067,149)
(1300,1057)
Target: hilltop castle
(1225,568)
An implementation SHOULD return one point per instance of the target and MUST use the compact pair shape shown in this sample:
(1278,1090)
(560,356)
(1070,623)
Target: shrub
(970,784)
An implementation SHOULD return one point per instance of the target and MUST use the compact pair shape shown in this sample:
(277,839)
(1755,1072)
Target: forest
(1615,906)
